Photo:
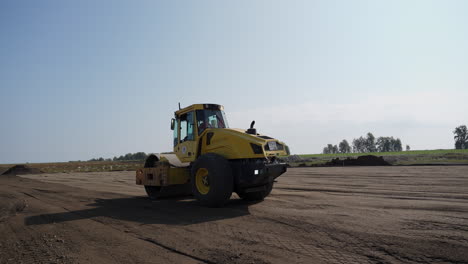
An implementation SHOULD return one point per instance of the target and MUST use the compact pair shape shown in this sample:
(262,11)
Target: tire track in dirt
(279,233)
(175,250)
(122,227)
(33,247)
(113,225)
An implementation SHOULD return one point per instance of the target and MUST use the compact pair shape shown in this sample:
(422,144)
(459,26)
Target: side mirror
(172,123)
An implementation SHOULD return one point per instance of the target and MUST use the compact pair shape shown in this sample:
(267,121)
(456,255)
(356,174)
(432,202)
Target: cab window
(186,127)
(210,119)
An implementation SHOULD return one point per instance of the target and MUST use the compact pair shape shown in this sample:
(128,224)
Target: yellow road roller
(211,160)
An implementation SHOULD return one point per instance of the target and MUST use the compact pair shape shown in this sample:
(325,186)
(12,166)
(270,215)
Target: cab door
(186,148)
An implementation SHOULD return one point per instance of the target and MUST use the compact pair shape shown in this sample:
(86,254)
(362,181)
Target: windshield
(210,119)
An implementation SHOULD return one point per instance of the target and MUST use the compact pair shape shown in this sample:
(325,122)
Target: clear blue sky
(84,79)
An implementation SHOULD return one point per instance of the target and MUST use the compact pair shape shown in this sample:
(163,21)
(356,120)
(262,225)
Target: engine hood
(234,143)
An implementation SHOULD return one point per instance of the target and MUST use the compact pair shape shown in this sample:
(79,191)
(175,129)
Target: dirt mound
(368,160)
(21,169)
(2,170)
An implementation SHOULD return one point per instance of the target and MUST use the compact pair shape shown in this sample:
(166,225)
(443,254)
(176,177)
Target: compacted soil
(314,215)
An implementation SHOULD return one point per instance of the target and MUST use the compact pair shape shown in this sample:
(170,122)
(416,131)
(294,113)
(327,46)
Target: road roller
(211,161)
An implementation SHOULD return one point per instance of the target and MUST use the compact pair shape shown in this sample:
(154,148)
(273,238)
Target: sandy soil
(314,215)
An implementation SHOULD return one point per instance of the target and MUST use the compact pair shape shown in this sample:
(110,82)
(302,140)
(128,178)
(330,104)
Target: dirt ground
(314,215)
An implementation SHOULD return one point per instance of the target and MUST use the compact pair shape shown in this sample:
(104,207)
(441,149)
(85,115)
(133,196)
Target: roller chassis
(247,173)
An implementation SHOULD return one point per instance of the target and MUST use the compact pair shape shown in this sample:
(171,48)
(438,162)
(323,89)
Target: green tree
(389,144)
(359,145)
(344,146)
(397,146)
(370,143)
(461,137)
(384,144)
(325,150)
(335,149)
(139,156)
(330,149)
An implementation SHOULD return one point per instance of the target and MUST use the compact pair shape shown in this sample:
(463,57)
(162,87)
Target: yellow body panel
(178,176)
(162,175)
(230,143)
(186,151)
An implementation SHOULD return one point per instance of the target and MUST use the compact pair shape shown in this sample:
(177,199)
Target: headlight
(273,146)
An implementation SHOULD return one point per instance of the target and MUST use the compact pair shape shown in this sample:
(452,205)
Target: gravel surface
(314,215)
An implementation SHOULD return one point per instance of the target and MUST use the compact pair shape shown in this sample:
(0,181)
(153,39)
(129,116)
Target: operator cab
(190,122)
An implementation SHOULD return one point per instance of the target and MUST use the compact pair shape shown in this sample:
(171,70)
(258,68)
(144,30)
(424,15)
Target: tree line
(138,156)
(359,145)
(366,144)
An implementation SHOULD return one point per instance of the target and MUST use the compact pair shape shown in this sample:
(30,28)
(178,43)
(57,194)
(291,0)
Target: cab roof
(199,107)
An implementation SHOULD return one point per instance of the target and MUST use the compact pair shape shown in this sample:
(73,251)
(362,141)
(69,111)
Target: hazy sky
(84,79)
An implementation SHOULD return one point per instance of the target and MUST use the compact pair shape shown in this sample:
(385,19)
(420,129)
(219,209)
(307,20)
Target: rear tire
(256,196)
(152,191)
(211,180)
(151,161)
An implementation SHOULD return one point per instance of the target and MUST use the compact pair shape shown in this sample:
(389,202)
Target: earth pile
(21,169)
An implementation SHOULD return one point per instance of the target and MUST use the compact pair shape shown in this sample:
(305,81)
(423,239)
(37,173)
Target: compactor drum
(211,160)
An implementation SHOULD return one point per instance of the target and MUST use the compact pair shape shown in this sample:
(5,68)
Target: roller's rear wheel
(151,161)
(152,191)
(212,180)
